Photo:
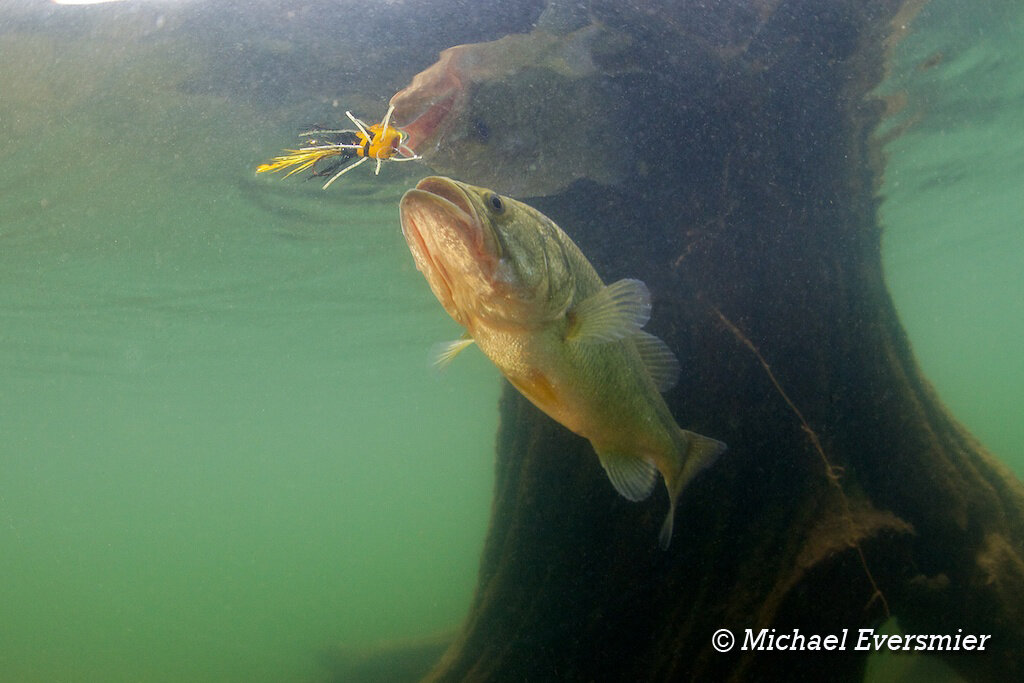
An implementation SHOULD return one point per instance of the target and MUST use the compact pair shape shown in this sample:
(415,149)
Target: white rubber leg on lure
(344,171)
(360,125)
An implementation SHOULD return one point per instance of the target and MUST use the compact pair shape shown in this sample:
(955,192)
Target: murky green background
(954,212)
(222,450)
(222,447)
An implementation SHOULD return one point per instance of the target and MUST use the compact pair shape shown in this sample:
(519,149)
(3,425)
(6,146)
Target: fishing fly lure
(381,141)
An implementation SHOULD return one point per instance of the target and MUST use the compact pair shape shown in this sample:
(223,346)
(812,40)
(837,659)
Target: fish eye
(480,129)
(494,201)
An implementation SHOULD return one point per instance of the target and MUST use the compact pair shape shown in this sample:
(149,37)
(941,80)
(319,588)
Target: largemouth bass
(507,113)
(573,346)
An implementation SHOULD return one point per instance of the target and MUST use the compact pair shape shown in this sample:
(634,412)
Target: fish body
(573,346)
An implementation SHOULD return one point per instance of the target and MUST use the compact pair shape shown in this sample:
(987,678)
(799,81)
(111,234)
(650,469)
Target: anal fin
(631,476)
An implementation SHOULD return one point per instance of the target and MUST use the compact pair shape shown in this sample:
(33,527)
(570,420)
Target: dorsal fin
(661,364)
(613,312)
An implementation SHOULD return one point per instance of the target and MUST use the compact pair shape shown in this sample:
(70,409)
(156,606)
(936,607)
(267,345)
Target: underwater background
(224,455)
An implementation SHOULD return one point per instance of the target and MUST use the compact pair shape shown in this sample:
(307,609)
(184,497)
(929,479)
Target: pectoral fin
(614,312)
(632,477)
(443,353)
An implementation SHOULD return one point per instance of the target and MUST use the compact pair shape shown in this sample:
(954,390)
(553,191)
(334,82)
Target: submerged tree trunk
(848,492)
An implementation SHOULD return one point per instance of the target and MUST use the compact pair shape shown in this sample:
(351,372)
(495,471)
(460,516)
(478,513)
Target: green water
(222,451)
(954,212)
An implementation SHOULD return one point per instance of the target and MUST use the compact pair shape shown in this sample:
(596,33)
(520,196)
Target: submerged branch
(831,471)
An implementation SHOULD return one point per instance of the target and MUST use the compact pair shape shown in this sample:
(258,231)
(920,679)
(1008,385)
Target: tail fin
(700,452)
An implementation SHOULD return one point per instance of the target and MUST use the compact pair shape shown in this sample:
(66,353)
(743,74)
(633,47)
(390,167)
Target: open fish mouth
(424,107)
(451,245)
(446,207)
(423,128)
(448,192)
